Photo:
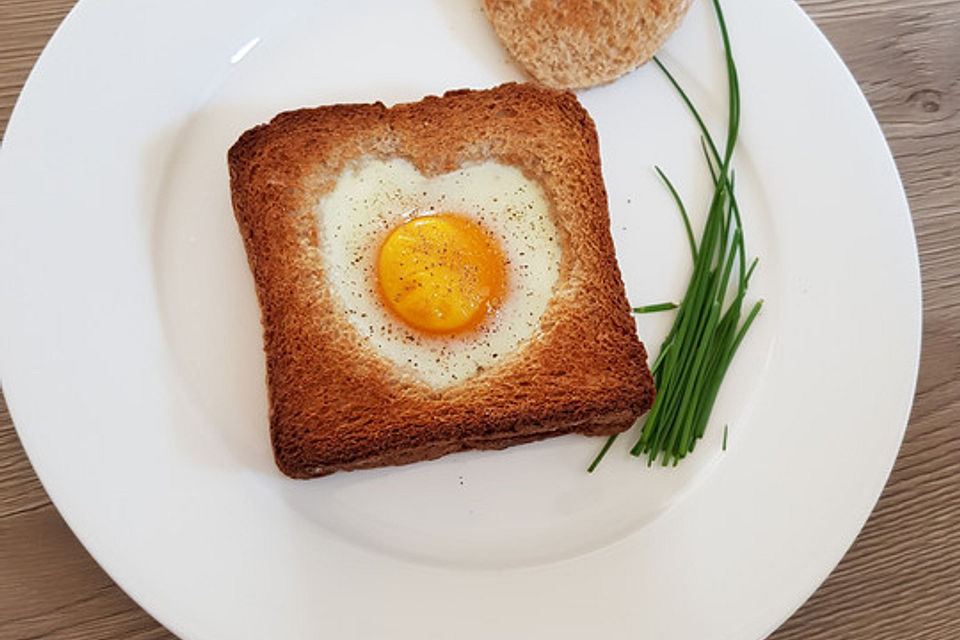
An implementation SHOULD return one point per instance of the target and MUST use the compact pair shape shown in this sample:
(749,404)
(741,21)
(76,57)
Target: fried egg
(443,276)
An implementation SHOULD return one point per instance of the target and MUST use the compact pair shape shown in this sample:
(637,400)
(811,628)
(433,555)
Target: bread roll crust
(334,403)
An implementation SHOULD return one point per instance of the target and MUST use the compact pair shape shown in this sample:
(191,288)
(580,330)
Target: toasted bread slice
(335,404)
(581,43)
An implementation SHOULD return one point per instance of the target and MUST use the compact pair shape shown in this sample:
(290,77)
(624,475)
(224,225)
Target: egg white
(374,196)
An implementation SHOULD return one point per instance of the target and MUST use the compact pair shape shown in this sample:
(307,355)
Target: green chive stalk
(709,324)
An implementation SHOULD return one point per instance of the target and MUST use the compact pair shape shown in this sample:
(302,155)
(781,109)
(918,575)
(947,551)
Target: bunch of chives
(707,330)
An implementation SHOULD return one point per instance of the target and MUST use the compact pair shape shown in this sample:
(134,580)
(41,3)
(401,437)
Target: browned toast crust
(335,404)
(581,43)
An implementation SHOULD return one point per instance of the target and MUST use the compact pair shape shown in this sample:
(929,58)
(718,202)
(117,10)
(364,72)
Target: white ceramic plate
(131,354)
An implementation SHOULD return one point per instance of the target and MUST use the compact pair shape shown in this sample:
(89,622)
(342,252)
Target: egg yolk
(441,273)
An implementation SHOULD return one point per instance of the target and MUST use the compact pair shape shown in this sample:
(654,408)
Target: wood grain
(901,578)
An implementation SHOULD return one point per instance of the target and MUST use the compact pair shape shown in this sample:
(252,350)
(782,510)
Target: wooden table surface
(901,578)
